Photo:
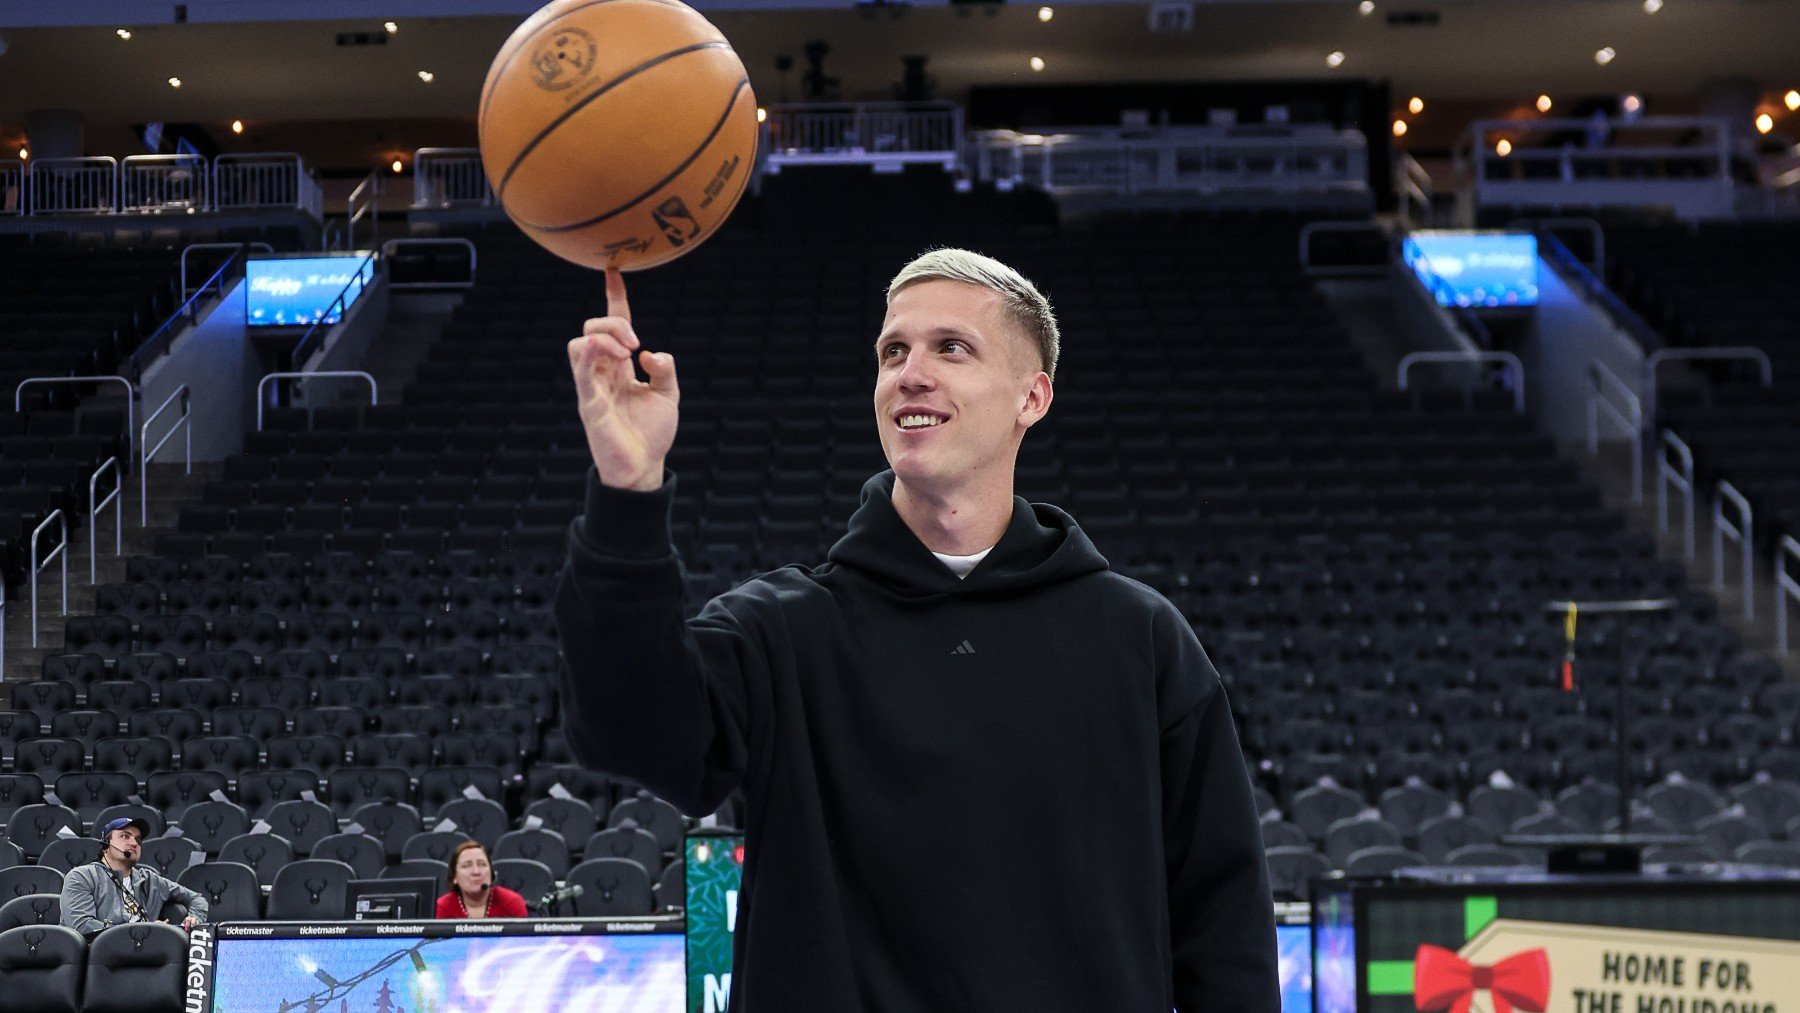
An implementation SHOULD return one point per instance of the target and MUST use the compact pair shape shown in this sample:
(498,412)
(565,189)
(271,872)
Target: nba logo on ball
(618,132)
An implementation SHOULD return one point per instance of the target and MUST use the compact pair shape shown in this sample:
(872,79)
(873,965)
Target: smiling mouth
(912,422)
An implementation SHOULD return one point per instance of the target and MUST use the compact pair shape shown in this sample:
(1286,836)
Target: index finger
(616,306)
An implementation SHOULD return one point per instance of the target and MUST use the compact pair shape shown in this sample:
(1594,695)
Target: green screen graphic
(715,864)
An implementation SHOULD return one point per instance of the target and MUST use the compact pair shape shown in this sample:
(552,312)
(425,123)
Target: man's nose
(916,375)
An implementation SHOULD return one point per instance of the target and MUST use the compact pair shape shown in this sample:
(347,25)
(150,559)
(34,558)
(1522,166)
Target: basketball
(618,132)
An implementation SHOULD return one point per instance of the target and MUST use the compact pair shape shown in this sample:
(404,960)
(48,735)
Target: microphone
(569,892)
(485,887)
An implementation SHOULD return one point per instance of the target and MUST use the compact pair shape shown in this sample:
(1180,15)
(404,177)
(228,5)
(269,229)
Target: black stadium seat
(44,967)
(136,967)
(311,890)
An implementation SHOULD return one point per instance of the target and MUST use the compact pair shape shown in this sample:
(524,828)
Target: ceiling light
(124,34)
(1544,103)
(237,126)
(1604,55)
(1037,63)
(1045,14)
(1504,148)
(1791,100)
(174,82)
(761,114)
(1652,6)
(427,76)
(1416,106)
(1336,59)
(1764,123)
(1367,7)
(1631,104)
(397,165)
(24,154)
(1399,128)
(390,26)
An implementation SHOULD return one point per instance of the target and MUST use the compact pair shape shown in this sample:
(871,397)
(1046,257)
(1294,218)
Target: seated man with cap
(113,890)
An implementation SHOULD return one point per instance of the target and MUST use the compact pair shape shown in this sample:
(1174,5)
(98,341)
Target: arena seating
(348,642)
(1725,284)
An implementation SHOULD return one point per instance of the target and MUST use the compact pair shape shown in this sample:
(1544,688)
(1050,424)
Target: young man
(113,890)
(982,772)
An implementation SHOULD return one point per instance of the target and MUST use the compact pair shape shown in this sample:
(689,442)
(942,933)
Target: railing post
(333,374)
(1630,418)
(183,422)
(37,565)
(1740,533)
(1682,478)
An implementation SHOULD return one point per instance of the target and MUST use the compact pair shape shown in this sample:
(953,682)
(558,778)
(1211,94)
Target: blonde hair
(1023,302)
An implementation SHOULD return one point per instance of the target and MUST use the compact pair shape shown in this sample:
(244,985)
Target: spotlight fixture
(124,34)
(1037,63)
(1504,148)
(1045,14)
(1652,6)
(1544,103)
(1604,55)
(1366,8)
(174,82)
(1764,123)
(1416,106)
(24,153)
(427,76)
(762,114)
(397,166)
(1791,100)
(237,126)
(1335,60)
(1399,128)
(1632,104)
(390,27)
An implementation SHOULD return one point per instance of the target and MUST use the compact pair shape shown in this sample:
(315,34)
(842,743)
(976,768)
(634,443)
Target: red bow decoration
(1444,981)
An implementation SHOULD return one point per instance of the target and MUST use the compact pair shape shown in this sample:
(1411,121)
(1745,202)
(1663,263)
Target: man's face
(954,383)
(126,845)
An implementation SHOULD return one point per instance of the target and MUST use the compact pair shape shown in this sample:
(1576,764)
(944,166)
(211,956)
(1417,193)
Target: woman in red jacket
(473,893)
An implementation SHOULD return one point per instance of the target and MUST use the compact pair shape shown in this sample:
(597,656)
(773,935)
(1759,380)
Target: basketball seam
(505,56)
(563,117)
(742,85)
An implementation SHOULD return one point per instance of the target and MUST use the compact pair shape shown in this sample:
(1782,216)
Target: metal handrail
(130,392)
(297,355)
(1681,478)
(1311,229)
(156,172)
(159,339)
(1729,353)
(330,374)
(184,423)
(94,516)
(1414,185)
(78,169)
(191,247)
(1738,533)
(13,170)
(387,251)
(1785,587)
(1630,419)
(37,566)
(445,177)
(364,194)
(1506,359)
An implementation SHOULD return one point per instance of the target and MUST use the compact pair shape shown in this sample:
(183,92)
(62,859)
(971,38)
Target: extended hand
(630,424)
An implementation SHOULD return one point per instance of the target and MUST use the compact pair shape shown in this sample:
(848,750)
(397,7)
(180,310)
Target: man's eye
(954,346)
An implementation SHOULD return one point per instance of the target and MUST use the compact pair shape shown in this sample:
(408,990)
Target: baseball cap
(121,823)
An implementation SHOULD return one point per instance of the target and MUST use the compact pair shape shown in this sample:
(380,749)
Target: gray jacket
(91,898)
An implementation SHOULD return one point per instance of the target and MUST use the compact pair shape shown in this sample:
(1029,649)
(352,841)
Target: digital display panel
(297,291)
(1475,269)
(468,967)
(715,870)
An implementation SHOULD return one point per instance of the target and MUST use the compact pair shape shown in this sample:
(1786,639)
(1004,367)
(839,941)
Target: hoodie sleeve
(1221,913)
(647,695)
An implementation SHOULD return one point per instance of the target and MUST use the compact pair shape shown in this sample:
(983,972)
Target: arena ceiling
(268,71)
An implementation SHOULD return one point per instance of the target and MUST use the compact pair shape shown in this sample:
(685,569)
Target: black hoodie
(1015,791)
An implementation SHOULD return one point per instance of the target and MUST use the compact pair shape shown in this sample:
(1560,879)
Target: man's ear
(1037,400)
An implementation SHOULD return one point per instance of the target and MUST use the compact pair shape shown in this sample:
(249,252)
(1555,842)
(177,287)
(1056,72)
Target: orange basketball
(618,131)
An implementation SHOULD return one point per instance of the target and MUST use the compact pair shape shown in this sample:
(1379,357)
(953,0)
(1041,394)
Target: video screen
(1476,269)
(715,870)
(1293,945)
(297,291)
(630,973)
(1334,953)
